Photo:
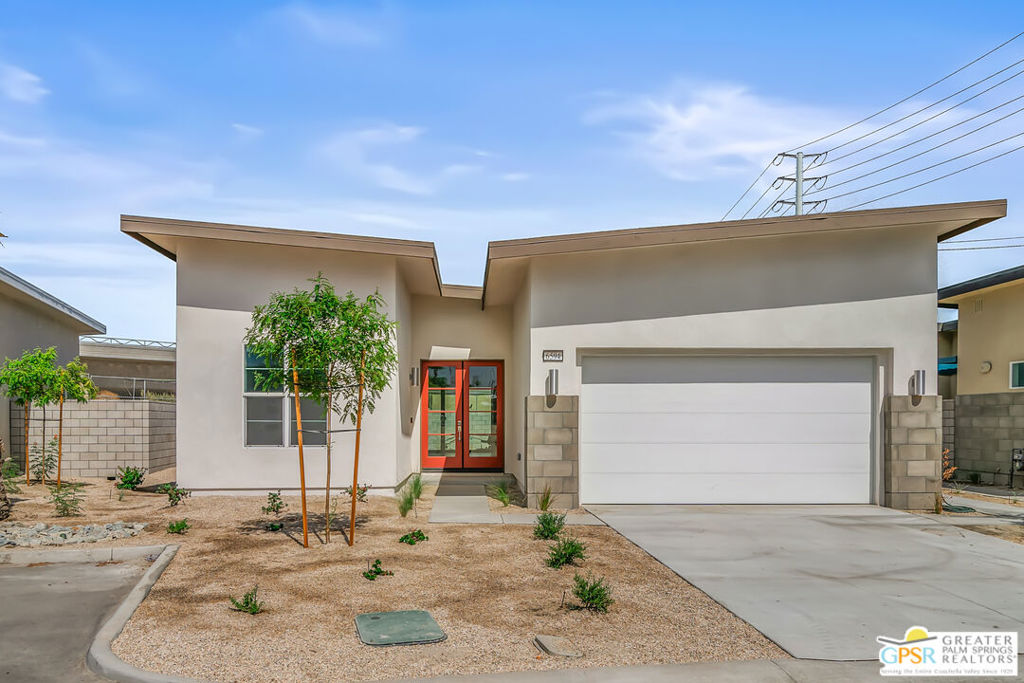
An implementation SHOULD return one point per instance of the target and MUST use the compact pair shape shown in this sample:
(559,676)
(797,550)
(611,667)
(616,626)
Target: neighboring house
(990,371)
(756,361)
(30,318)
(131,368)
(947,358)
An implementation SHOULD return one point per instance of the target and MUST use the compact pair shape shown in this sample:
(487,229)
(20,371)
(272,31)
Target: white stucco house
(755,361)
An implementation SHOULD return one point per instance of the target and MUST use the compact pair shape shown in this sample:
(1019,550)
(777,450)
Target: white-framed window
(1017,374)
(270,412)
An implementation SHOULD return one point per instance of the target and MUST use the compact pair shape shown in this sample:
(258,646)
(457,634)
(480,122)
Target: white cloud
(352,150)
(516,177)
(328,26)
(247,132)
(20,85)
(693,132)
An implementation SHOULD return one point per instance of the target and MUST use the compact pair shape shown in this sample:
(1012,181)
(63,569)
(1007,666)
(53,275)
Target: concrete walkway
(1001,510)
(51,612)
(824,581)
(462,499)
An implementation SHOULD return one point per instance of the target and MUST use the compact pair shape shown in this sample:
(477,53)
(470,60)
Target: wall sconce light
(551,383)
(412,377)
(917,385)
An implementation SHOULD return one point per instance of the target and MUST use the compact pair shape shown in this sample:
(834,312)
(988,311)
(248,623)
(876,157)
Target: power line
(758,201)
(1005,246)
(911,96)
(914,156)
(914,142)
(941,177)
(927,168)
(774,162)
(987,239)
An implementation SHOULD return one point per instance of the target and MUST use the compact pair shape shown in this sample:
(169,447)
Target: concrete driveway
(823,581)
(50,613)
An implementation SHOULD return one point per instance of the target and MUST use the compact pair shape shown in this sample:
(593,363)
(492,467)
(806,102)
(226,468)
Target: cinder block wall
(913,452)
(102,435)
(552,450)
(988,428)
(949,425)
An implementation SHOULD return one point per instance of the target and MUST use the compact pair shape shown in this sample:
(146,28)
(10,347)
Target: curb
(101,659)
(117,554)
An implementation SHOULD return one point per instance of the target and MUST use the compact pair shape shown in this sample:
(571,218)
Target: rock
(556,646)
(39,527)
(5,503)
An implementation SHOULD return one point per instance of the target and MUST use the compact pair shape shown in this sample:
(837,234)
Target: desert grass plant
(9,472)
(406,500)
(66,499)
(130,478)
(275,504)
(44,461)
(566,550)
(548,526)
(361,492)
(375,570)
(545,499)
(174,494)
(593,594)
(179,527)
(413,537)
(248,604)
(416,486)
(501,492)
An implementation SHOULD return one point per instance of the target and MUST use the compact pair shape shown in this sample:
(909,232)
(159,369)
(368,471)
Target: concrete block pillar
(552,450)
(913,452)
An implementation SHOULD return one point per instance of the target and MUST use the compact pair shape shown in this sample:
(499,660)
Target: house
(31,318)
(755,361)
(132,368)
(989,415)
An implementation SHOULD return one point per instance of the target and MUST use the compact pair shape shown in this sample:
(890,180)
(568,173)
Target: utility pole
(798,180)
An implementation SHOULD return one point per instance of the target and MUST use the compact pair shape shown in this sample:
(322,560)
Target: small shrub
(275,526)
(948,468)
(416,486)
(548,525)
(10,473)
(130,478)
(566,551)
(274,504)
(406,500)
(593,594)
(414,537)
(500,492)
(360,492)
(43,464)
(66,499)
(974,478)
(544,501)
(248,604)
(179,527)
(376,570)
(174,494)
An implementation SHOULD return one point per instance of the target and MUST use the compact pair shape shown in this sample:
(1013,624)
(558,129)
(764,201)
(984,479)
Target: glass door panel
(462,415)
(442,416)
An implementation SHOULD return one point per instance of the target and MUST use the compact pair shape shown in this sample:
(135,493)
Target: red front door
(462,415)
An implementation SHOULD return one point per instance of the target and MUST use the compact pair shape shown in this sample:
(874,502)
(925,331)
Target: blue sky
(452,122)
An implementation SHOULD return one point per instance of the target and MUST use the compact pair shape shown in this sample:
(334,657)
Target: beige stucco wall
(854,290)
(23,328)
(991,328)
(517,378)
(218,285)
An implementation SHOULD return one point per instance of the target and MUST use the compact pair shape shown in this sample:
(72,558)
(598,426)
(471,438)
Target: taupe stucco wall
(990,328)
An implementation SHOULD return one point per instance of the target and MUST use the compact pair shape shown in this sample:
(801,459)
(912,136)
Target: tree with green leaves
(71,381)
(29,379)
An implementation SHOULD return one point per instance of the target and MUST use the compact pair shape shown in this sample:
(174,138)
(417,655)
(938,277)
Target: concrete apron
(824,581)
(462,499)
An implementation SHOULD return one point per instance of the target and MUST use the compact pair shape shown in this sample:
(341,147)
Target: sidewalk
(463,500)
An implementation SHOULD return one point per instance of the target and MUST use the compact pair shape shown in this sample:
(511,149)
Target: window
(269,409)
(1017,374)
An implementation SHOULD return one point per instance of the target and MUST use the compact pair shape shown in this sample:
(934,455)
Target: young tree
(283,328)
(369,361)
(27,380)
(71,381)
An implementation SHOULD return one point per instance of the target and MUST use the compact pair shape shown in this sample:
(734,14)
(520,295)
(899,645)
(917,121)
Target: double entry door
(462,415)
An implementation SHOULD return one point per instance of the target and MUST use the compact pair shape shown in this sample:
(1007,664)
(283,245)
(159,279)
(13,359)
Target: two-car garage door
(726,429)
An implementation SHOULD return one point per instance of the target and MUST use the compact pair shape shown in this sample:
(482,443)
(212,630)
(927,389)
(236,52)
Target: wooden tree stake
(355,467)
(60,435)
(327,488)
(28,408)
(302,465)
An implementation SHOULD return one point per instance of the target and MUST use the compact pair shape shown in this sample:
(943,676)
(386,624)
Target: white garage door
(712,429)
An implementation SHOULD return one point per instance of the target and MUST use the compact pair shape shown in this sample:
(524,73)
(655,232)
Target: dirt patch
(486,585)
(1007,532)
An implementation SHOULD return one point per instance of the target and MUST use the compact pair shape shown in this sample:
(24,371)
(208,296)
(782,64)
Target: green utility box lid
(408,627)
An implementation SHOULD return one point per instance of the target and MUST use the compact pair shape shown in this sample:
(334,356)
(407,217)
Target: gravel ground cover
(486,585)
